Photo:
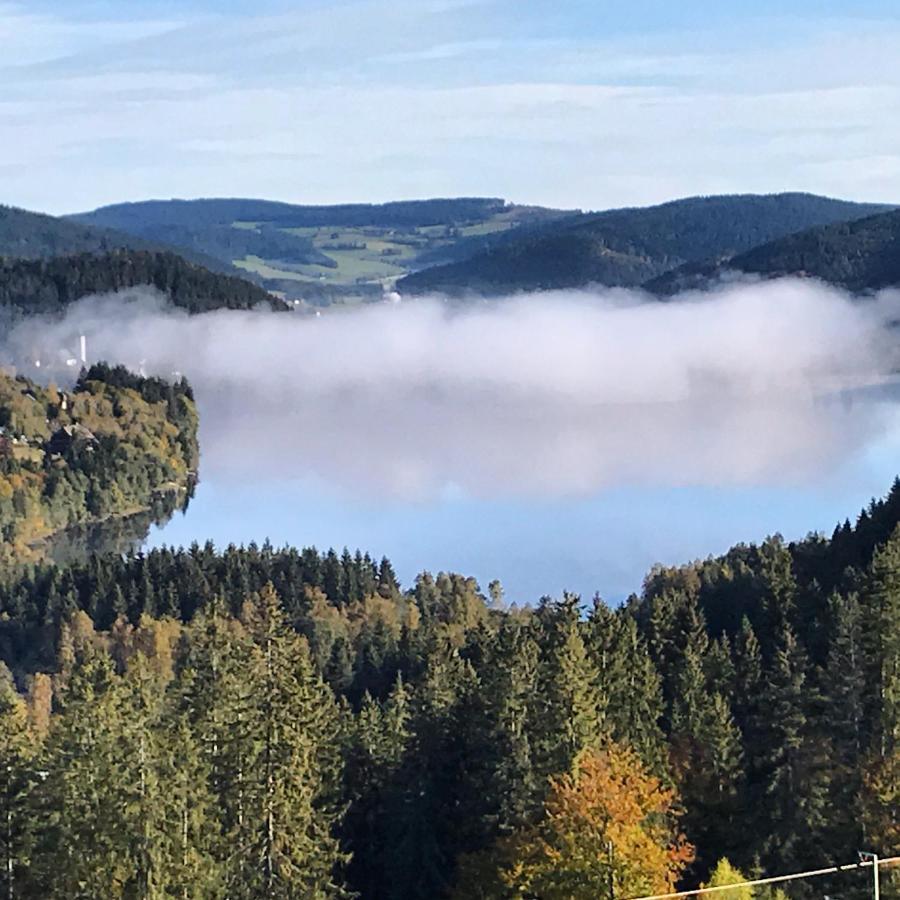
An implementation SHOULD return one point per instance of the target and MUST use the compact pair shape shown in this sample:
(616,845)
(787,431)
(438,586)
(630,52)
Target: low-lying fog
(552,433)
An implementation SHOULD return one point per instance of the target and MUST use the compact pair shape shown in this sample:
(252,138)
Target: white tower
(83,349)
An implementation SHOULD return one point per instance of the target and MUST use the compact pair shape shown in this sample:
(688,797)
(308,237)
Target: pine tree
(748,682)
(217,694)
(165,791)
(509,680)
(881,605)
(292,809)
(568,709)
(371,773)
(843,687)
(82,848)
(17,775)
(629,685)
(793,778)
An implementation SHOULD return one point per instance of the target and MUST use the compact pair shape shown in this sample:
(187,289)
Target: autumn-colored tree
(881,803)
(39,703)
(608,822)
(724,874)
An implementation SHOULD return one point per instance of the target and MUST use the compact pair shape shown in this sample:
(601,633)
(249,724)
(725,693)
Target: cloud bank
(547,395)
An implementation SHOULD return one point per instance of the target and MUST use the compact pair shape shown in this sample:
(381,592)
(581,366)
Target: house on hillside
(63,439)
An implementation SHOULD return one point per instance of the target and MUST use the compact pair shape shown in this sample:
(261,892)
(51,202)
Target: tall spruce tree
(17,776)
(292,810)
(843,689)
(880,600)
(629,685)
(793,776)
(568,708)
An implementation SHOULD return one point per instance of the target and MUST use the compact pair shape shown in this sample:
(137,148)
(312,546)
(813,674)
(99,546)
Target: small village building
(63,439)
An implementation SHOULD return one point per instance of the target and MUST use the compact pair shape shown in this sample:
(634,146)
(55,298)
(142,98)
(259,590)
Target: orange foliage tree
(607,824)
(880,803)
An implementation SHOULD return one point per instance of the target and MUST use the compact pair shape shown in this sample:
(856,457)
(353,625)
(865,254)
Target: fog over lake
(564,439)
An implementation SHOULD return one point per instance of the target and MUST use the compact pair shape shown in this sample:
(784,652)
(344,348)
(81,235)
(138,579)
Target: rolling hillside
(862,255)
(630,246)
(325,254)
(47,285)
(30,235)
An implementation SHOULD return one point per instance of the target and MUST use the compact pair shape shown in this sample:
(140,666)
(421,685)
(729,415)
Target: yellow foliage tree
(608,824)
(724,874)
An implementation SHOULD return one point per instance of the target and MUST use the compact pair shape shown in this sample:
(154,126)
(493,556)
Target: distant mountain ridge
(631,246)
(860,255)
(481,246)
(32,286)
(325,254)
(132,217)
(32,235)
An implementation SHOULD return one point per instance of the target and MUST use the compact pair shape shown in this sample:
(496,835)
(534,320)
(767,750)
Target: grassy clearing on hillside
(264,270)
(366,254)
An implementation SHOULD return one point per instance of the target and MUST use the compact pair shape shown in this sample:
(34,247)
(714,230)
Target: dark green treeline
(282,723)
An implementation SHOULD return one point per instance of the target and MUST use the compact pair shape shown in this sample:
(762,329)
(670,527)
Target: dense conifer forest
(100,450)
(49,285)
(260,722)
(632,246)
(860,256)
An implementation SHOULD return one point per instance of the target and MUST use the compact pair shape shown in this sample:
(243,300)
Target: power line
(812,873)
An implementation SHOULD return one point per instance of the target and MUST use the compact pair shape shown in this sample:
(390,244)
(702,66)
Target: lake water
(605,540)
(559,441)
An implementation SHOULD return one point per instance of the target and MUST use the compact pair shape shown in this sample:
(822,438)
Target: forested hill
(31,235)
(143,216)
(48,285)
(631,246)
(325,254)
(259,722)
(102,449)
(862,255)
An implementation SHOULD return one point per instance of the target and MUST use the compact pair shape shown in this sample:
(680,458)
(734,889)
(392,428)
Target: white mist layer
(560,393)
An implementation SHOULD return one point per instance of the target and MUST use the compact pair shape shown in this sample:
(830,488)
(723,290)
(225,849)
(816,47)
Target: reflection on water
(565,440)
(604,541)
(115,535)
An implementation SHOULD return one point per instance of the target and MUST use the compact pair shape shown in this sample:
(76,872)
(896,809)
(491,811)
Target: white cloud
(544,396)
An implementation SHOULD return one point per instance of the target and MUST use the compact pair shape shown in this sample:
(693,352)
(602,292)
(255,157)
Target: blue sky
(582,103)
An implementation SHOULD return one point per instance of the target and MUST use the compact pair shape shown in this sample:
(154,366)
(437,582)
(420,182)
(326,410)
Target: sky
(583,104)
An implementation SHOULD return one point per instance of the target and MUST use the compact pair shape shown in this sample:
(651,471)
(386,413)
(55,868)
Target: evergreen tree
(216,692)
(568,709)
(794,762)
(17,776)
(83,848)
(629,685)
(843,688)
(371,774)
(292,811)
(881,606)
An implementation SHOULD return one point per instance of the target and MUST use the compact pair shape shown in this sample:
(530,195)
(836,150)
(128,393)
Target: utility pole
(865,856)
(10,864)
(610,850)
